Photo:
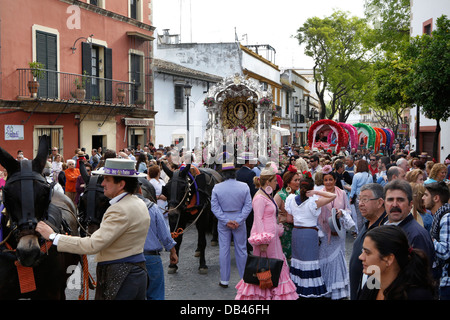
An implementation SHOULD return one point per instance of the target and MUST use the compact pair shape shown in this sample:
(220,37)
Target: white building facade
(215,61)
(424,15)
(173,123)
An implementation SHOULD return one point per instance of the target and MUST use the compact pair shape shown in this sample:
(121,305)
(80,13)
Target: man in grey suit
(231,203)
(246,175)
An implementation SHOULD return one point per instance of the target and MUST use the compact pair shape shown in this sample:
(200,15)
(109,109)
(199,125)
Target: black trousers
(134,287)
(121,281)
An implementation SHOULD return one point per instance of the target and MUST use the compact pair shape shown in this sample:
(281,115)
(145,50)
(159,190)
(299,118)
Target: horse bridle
(26,176)
(178,231)
(173,189)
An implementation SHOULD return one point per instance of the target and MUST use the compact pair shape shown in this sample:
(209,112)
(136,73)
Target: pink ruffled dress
(266,230)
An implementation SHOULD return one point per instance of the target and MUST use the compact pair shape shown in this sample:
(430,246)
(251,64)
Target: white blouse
(158,184)
(305,214)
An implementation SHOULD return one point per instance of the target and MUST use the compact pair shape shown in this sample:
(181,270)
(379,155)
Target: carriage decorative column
(239,117)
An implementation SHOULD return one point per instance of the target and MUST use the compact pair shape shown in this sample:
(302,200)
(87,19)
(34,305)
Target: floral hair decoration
(306,174)
(326,169)
(292,168)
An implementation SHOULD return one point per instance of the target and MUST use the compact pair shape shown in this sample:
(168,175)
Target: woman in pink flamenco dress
(265,237)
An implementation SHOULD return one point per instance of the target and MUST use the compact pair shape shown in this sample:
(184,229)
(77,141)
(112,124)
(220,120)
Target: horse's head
(26,196)
(93,203)
(179,191)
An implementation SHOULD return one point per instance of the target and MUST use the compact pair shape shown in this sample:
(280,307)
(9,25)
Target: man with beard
(436,200)
(398,204)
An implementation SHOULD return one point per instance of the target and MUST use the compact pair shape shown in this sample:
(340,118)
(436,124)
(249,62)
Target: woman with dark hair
(154,176)
(305,209)
(291,162)
(291,184)
(332,248)
(418,164)
(141,163)
(396,270)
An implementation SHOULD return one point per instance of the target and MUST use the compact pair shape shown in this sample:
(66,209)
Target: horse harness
(26,177)
(193,201)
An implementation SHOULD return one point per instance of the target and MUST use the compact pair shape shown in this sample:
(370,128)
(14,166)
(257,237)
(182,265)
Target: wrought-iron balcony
(56,86)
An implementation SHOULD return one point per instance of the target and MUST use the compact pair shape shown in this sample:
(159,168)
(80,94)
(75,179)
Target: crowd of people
(303,209)
(393,207)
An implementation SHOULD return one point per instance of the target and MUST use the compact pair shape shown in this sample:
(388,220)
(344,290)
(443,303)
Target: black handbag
(257,264)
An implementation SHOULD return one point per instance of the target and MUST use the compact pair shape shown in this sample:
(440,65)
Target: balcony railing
(64,86)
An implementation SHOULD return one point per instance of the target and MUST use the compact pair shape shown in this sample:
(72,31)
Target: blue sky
(255,21)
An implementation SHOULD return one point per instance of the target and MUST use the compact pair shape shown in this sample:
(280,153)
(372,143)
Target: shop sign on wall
(13,132)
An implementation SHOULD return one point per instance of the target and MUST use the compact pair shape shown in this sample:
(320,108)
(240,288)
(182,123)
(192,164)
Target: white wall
(259,67)
(169,122)
(421,11)
(220,59)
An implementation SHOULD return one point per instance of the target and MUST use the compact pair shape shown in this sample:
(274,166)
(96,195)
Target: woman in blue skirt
(305,209)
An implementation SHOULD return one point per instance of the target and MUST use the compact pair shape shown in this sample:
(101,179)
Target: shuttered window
(107,67)
(89,54)
(179,92)
(86,66)
(136,77)
(133,9)
(47,53)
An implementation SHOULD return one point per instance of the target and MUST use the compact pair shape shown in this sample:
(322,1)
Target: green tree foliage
(390,96)
(340,47)
(391,22)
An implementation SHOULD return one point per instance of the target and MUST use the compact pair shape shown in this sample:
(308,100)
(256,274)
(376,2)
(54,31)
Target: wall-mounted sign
(138,122)
(14,132)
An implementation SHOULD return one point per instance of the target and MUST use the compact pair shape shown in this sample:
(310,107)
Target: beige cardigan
(122,232)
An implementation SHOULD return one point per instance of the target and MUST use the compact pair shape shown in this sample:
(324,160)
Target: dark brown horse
(93,202)
(188,197)
(31,267)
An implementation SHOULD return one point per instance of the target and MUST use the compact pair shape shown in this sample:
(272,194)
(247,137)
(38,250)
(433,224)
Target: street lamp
(187,94)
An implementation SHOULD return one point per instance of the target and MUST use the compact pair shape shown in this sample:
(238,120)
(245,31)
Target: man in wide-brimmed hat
(231,203)
(119,242)
(424,156)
